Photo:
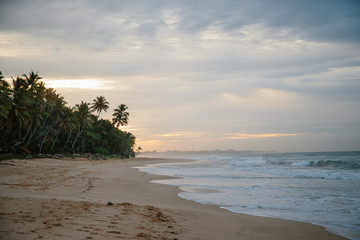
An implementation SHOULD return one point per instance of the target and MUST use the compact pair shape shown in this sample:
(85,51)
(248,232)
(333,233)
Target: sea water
(319,188)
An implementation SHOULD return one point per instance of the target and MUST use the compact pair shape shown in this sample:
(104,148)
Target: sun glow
(236,136)
(182,134)
(77,83)
(149,145)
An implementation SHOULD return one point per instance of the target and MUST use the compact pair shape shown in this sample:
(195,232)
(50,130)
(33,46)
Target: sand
(68,199)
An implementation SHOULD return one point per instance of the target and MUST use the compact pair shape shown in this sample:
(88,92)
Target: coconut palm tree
(32,81)
(82,113)
(5,100)
(56,107)
(18,114)
(100,104)
(139,150)
(68,125)
(121,117)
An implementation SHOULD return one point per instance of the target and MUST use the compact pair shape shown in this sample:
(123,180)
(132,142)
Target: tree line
(36,119)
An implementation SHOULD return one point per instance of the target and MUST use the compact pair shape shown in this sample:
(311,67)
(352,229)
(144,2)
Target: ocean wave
(344,164)
(320,188)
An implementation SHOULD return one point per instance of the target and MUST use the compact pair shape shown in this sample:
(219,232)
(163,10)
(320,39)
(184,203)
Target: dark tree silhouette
(35,119)
(121,117)
(100,104)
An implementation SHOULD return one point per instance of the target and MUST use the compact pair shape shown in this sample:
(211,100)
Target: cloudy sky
(278,75)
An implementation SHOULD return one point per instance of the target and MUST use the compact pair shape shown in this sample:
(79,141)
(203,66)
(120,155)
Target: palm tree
(56,107)
(129,143)
(121,117)
(68,124)
(5,100)
(100,104)
(139,150)
(82,113)
(32,81)
(40,106)
(39,115)
(18,115)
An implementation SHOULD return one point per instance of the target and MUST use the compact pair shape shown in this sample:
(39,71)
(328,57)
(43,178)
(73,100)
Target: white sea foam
(320,188)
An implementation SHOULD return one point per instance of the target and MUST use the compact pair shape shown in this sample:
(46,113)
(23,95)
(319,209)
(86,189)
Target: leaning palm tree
(5,100)
(82,115)
(18,113)
(67,125)
(121,117)
(100,104)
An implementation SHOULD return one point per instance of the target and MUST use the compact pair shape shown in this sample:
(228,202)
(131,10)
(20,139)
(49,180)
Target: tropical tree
(100,104)
(32,80)
(40,108)
(82,114)
(120,116)
(18,115)
(35,119)
(56,104)
(5,100)
(68,125)
(139,150)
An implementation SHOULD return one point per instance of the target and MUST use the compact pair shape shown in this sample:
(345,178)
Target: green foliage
(120,115)
(35,119)
(100,104)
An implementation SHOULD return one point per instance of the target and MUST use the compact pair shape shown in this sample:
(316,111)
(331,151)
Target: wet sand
(68,199)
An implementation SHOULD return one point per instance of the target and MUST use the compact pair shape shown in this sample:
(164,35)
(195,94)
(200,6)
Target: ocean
(322,188)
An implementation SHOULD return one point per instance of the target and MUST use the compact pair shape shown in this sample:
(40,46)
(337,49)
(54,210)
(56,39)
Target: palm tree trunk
(77,135)
(3,136)
(27,133)
(41,133)
(82,144)
(42,142)
(67,140)
(53,143)
(31,136)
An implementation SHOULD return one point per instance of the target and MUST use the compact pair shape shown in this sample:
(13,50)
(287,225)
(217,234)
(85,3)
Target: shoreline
(67,198)
(186,189)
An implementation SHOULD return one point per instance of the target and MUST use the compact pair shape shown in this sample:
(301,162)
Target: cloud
(105,23)
(188,67)
(333,20)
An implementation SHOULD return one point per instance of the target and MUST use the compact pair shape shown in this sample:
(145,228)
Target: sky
(262,75)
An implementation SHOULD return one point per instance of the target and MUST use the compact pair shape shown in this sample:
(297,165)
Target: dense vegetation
(35,119)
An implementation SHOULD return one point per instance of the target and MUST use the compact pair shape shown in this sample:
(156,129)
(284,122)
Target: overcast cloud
(245,75)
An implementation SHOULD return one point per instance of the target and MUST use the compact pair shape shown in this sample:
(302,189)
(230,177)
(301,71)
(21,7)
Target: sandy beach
(69,199)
